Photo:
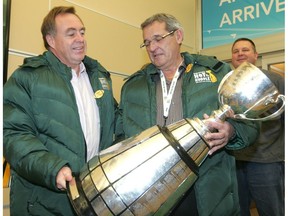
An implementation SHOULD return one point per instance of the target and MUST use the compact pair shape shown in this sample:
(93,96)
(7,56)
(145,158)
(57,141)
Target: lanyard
(167,96)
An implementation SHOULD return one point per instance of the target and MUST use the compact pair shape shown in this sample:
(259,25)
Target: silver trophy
(249,93)
(148,174)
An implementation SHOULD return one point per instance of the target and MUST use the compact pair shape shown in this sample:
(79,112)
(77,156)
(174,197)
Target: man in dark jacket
(260,167)
(58,113)
(181,85)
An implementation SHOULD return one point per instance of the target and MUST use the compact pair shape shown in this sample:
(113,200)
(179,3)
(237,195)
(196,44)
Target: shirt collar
(82,69)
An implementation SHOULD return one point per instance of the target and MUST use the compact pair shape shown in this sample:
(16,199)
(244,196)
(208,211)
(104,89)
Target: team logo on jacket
(105,84)
(205,76)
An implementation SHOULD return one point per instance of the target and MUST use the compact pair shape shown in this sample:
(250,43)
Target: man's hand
(223,131)
(64,175)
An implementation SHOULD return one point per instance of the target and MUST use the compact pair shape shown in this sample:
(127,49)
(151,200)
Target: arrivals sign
(223,21)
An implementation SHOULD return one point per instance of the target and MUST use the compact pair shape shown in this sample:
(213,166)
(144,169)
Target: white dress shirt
(88,110)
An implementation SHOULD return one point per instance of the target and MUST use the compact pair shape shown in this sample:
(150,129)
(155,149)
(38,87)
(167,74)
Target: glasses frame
(158,39)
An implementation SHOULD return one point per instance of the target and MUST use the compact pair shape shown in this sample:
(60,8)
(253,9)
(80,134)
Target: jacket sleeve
(119,131)
(246,133)
(26,154)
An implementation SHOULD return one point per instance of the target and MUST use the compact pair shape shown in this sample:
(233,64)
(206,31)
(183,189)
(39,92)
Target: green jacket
(216,187)
(42,131)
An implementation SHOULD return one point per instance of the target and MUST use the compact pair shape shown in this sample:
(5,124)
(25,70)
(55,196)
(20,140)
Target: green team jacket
(216,187)
(42,131)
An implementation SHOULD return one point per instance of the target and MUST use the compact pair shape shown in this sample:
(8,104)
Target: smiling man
(243,50)
(58,113)
(260,167)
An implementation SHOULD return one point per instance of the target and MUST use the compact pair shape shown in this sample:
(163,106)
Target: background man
(260,167)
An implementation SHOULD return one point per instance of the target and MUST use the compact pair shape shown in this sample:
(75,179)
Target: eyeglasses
(156,38)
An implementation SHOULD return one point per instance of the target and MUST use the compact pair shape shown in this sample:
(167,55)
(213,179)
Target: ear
(179,36)
(50,40)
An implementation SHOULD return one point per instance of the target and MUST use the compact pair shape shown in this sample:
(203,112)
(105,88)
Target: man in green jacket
(58,113)
(180,85)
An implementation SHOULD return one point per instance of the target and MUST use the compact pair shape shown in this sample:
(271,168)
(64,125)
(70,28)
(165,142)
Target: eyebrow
(235,49)
(157,35)
(75,29)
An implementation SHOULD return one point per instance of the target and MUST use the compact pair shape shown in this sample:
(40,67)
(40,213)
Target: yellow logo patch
(213,78)
(205,76)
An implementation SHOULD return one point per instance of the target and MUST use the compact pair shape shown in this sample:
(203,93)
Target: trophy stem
(217,115)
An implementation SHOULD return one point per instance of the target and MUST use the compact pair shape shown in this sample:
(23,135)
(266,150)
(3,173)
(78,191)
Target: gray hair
(171,22)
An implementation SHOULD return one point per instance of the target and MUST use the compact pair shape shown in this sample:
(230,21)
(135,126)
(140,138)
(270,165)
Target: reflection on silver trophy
(147,174)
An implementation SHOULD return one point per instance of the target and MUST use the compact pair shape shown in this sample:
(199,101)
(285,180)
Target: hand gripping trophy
(137,177)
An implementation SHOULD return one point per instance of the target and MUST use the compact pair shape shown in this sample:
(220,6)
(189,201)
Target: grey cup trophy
(249,93)
(137,177)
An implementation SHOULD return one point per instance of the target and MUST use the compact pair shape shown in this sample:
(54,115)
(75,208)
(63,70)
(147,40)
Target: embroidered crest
(205,76)
(105,84)
(213,78)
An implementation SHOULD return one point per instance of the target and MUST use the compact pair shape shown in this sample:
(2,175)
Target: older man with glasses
(179,85)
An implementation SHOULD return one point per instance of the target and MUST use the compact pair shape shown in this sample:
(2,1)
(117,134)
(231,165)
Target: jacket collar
(210,62)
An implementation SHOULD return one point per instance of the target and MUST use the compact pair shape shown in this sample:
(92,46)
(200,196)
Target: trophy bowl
(249,93)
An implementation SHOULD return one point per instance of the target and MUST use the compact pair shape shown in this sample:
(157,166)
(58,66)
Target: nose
(153,45)
(240,52)
(80,36)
